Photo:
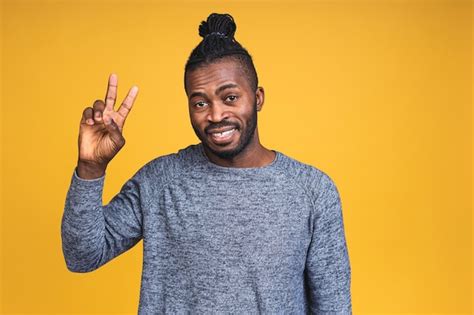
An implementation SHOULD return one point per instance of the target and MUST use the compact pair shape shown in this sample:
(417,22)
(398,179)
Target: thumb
(113,128)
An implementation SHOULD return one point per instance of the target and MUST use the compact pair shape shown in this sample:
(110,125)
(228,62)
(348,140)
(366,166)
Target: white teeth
(223,134)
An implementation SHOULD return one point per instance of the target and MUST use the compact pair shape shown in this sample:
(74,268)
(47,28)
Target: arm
(93,234)
(328,271)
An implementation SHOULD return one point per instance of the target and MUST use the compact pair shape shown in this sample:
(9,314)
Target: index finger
(127,103)
(111,95)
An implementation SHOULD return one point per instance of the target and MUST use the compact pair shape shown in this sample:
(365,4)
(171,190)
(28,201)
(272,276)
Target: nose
(217,113)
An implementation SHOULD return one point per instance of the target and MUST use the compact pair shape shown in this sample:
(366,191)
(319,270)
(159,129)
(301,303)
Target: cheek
(245,115)
(196,122)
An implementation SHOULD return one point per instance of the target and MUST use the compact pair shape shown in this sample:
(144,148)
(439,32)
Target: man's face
(223,107)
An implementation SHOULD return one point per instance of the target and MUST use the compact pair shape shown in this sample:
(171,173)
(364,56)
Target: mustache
(218,125)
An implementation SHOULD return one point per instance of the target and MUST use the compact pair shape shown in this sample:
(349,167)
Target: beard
(246,135)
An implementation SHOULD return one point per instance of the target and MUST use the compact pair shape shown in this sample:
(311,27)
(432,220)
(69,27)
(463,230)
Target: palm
(100,137)
(96,143)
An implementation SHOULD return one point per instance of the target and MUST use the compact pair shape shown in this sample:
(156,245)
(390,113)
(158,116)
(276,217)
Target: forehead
(212,75)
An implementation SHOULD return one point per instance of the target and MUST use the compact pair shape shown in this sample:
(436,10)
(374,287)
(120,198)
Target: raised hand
(100,132)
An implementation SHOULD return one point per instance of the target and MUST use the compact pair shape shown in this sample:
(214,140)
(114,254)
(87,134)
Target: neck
(254,155)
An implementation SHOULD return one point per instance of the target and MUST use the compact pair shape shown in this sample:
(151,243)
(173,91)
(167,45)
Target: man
(228,226)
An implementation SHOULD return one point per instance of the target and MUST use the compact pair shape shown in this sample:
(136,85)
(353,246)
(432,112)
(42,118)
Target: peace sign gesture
(100,132)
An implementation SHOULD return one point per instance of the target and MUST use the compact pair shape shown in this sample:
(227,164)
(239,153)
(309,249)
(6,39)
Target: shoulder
(315,181)
(170,165)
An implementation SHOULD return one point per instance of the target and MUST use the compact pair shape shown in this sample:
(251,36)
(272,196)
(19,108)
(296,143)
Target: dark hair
(219,42)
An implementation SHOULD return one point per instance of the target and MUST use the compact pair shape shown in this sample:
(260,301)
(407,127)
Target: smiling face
(223,108)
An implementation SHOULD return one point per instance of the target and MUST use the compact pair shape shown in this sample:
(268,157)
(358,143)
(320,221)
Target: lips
(223,135)
(220,130)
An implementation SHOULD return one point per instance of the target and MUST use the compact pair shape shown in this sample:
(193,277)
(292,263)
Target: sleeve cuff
(87,180)
(82,184)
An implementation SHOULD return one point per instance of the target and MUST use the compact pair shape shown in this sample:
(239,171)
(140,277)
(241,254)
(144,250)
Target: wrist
(90,170)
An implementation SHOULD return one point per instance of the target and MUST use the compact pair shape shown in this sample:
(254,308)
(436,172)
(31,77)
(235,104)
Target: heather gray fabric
(266,240)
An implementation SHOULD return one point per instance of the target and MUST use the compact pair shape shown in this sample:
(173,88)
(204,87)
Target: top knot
(219,25)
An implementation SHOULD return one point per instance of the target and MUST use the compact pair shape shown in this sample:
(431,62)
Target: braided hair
(219,42)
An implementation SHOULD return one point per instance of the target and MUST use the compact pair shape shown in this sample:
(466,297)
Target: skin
(212,106)
(100,131)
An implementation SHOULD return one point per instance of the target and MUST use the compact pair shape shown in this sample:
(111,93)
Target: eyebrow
(218,90)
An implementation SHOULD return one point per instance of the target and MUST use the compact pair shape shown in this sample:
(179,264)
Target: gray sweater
(218,239)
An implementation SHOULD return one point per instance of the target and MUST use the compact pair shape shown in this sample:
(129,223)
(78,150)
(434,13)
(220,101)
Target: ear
(260,96)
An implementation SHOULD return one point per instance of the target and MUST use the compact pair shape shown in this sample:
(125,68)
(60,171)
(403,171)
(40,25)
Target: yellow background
(378,94)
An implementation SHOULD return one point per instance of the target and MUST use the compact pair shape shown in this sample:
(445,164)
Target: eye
(200,104)
(231,98)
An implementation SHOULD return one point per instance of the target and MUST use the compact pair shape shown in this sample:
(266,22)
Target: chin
(225,151)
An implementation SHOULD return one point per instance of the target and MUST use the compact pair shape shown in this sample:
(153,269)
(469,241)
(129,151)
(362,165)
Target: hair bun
(218,24)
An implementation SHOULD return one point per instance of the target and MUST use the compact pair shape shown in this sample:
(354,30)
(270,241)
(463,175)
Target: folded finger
(98,116)
(87,116)
(98,107)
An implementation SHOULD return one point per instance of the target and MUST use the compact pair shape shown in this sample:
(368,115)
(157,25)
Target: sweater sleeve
(93,234)
(328,271)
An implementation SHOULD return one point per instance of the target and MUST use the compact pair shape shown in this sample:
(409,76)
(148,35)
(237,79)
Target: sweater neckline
(241,170)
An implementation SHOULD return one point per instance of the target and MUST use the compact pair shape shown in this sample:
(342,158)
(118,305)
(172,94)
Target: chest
(241,220)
